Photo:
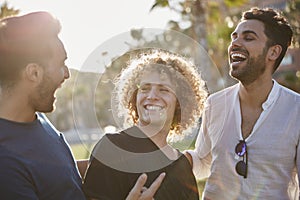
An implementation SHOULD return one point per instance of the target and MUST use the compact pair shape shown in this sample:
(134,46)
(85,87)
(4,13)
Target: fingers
(150,192)
(139,192)
(140,182)
(135,192)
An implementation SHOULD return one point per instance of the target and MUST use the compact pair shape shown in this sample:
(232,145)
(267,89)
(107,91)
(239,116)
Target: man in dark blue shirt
(35,160)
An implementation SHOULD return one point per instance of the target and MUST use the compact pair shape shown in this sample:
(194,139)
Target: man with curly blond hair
(157,95)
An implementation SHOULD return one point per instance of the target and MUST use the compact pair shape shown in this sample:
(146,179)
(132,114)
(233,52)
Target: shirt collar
(273,95)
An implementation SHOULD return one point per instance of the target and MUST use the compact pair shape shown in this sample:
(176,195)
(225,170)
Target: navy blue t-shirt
(36,163)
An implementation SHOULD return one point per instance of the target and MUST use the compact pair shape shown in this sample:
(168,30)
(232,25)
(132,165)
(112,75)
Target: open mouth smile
(237,57)
(153,107)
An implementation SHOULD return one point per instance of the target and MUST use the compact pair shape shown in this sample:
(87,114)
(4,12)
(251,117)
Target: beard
(44,99)
(251,71)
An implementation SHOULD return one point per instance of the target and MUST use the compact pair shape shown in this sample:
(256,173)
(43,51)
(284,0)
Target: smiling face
(55,73)
(156,100)
(247,51)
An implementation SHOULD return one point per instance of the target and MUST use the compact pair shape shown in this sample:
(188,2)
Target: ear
(34,72)
(274,52)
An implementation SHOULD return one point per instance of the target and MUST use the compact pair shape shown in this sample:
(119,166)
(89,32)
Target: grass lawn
(201,184)
(81,151)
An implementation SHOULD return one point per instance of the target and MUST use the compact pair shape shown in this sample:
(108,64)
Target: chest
(249,117)
(271,138)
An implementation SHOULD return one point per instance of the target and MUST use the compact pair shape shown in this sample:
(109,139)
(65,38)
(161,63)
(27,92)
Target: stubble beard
(251,71)
(45,101)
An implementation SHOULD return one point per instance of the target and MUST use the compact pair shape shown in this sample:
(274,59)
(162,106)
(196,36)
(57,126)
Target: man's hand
(139,192)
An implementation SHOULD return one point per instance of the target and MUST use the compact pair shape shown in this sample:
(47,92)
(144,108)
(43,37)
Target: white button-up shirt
(272,147)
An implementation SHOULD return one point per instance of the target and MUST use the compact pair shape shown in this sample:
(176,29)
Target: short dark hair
(277,28)
(25,39)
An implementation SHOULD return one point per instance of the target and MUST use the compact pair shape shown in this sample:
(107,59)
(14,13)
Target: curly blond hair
(190,91)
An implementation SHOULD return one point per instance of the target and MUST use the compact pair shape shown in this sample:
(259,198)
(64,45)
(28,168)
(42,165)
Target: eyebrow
(246,32)
(159,85)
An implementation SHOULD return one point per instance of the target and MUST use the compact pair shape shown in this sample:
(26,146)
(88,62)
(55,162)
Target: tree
(211,22)
(6,11)
(292,12)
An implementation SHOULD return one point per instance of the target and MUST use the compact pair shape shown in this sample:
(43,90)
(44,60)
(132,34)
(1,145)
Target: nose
(152,94)
(235,41)
(66,72)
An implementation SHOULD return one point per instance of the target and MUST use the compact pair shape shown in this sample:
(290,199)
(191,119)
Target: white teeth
(154,108)
(234,55)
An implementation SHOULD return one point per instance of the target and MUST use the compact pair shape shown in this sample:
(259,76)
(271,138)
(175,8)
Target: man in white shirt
(248,142)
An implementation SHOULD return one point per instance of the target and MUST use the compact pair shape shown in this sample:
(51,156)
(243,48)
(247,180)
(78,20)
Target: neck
(256,93)
(13,107)
(157,134)
(159,137)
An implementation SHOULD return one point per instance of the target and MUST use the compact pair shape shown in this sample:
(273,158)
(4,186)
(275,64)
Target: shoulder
(111,141)
(287,100)
(222,99)
(107,139)
(222,95)
(289,94)
(12,168)
(226,91)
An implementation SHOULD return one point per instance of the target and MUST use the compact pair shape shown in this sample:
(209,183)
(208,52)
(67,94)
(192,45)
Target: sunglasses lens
(241,168)
(240,148)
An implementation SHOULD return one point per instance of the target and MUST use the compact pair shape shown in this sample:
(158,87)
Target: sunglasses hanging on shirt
(242,166)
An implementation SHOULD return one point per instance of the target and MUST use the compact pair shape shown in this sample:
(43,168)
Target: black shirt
(119,159)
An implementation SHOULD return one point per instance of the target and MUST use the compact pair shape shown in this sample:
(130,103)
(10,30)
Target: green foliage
(201,185)
(209,25)
(290,79)
(104,90)
(292,12)
(214,14)
(220,19)
(160,3)
(6,11)
(235,3)
(80,151)
(94,90)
